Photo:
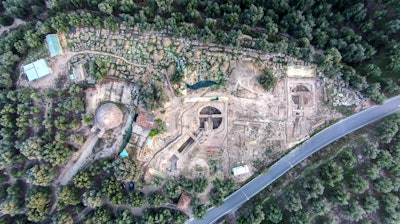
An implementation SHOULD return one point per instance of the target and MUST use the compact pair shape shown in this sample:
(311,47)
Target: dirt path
(16,23)
(72,167)
(76,161)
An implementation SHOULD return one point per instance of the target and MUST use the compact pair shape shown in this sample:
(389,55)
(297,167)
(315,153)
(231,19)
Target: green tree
(57,153)
(199,211)
(92,198)
(354,211)
(387,129)
(319,206)
(41,174)
(157,182)
(126,169)
(311,187)
(347,158)
(339,196)
(329,64)
(177,76)
(383,184)
(123,217)
(355,13)
(164,6)
(389,203)
(38,203)
(252,15)
(300,217)
(186,184)
(172,189)
(370,204)
(292,201)
(200,184)
(111,187)
(12,206)
(69,195)
(254,214)
(98,69)
(87,119)
(217,199)
(273,214)
(32,148)
(32,39)
(6,20)
(232,39)
(369,150)
(230,19)
(62,218)
(384,160)
(136,199)
(371,171)
(267,79)
(152,95)
(106,8)
(119,198)
(358,184)
(159,127)
(18,9)
(331,173)
(156,199)
(101,215)
(83,179)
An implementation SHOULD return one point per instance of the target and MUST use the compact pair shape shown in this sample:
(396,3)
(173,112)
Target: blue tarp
(123,154)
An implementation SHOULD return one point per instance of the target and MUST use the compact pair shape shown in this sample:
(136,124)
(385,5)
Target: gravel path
(80,157)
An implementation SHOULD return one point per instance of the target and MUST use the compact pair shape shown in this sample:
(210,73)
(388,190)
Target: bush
(267,79)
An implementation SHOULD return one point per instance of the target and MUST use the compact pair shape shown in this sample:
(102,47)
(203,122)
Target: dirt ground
(257,127)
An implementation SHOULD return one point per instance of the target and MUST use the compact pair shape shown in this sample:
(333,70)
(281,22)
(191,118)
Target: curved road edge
(297,155)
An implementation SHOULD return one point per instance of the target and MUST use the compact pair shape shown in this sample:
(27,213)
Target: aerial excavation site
(199,111)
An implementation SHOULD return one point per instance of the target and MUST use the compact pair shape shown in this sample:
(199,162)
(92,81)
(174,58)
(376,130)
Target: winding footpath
(286,163)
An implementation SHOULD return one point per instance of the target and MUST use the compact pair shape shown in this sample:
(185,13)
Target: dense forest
(356,41)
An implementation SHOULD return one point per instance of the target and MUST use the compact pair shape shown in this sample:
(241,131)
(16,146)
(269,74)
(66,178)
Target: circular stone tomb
(108,116)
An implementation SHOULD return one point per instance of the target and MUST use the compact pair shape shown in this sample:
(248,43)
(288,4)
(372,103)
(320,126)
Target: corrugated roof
(54,44)
(145,120)
(37,69)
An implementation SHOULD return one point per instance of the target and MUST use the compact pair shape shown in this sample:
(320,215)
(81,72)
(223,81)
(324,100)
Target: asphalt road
(297,155)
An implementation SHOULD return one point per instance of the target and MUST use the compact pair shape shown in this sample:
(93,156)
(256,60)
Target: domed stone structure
(108,116)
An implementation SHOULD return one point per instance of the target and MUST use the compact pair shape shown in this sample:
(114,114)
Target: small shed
(184,202)
(37,70)
(145,120)
(53,44)
(239,170)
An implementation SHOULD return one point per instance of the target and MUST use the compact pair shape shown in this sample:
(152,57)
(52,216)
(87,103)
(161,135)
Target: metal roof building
(240,170)
(54,44)
(37,69)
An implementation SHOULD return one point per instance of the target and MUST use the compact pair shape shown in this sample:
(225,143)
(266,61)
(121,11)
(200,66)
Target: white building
(240,170)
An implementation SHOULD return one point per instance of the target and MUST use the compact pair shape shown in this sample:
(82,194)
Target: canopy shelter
(123,154)
(37,70)
(53,44)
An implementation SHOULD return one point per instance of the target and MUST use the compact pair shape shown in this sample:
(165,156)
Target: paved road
(297,155)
